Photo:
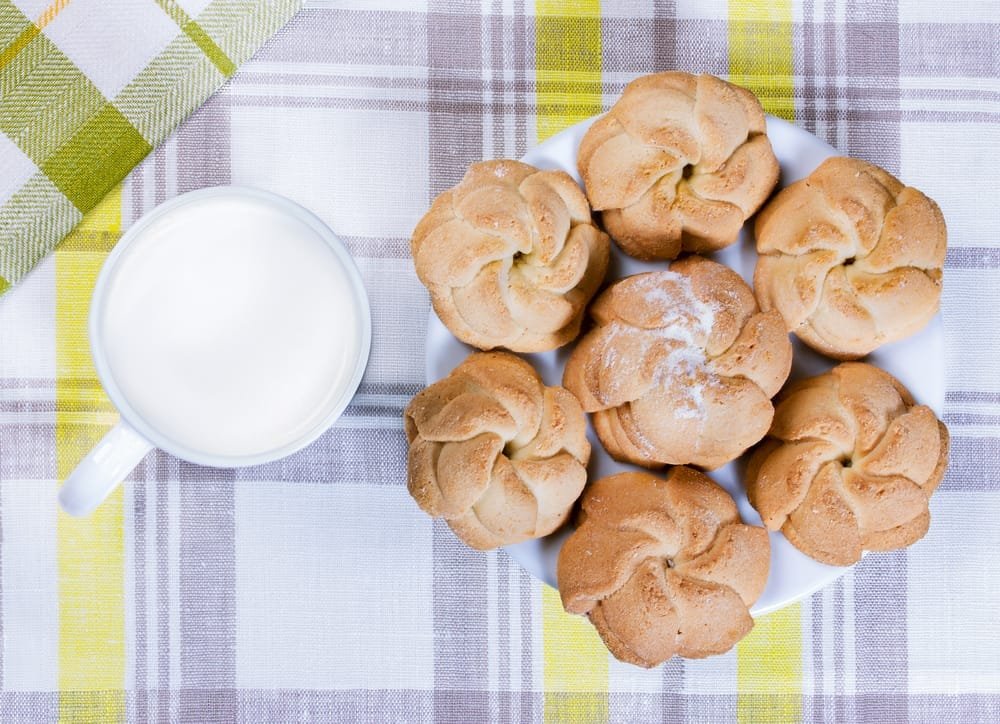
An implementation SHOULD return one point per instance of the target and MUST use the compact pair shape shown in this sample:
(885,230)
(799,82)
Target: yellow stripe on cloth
(769,660)
(760,52)
(198,36)
(576,665)
(20,43)
(568,77)
(91,550)
(769,669)
(49,14)
(31,32)
(567,63)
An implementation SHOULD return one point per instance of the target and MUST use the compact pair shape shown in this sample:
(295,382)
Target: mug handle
(114,457)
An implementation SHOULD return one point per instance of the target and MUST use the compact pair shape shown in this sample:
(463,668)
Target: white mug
(229,327)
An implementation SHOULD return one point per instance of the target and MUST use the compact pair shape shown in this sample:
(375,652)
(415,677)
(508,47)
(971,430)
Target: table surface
(313,588)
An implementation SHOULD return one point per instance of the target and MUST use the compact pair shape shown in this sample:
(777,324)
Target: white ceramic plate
(918,362)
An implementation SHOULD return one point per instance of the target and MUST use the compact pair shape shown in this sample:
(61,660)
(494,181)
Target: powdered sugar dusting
(667,346)
(670,297)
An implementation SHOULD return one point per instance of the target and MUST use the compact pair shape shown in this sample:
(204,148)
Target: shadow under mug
(125,445)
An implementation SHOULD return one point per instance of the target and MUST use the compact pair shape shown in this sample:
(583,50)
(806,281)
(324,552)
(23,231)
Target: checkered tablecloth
(313,589)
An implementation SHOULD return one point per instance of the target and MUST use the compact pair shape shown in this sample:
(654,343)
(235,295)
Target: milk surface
(230,326)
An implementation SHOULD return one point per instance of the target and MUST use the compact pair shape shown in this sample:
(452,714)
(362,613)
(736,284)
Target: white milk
(230,327)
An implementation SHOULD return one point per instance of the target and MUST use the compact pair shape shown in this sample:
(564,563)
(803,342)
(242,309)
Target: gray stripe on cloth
(916,708)
(494,30)
(815,702)
(673,689)
(646,707)
(937,708)
(702,46)
(378,247)
(134,190)
(838,651)
(203,147)
(288,76)
(167,474)
(408,705)
(805,111)
(974,396)
(469,107)
(973,257)
(351,37)
(857,103)
(972,418)
(454,58)
(872,50)
(881,636)
(391,409)
(503,564)
(950,49)
(30,707)
(697,707)
(389,388)
(665,30)
(27,407)
(132,197)
(530,709)
(26,450)
(831,72)
(459,706)
(159,161)
(974,465)
(243,82)
(351,705)
(875,117)
(373,455)
(454,98)
(523,48)
(207,595)
(337,455)
(875,93)
(28,383)
(628,45)
(139,593)
(989,95)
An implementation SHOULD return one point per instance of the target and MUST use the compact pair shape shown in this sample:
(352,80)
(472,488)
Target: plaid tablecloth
(312,589)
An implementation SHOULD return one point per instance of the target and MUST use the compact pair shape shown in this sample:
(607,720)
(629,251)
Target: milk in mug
(230,327)
(227,326)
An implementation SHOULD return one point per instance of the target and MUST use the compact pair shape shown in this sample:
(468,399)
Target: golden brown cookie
(680,366)
(663,567)
(849,465)
(511,257)
(851,258)
(678,163)
(497,454)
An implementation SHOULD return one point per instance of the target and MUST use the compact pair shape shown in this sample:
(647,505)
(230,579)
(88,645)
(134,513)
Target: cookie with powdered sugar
(680,366)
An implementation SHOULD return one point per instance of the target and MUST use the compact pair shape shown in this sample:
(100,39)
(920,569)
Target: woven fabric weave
(313,589)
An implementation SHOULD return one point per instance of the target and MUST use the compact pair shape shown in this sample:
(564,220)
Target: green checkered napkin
(89,87)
